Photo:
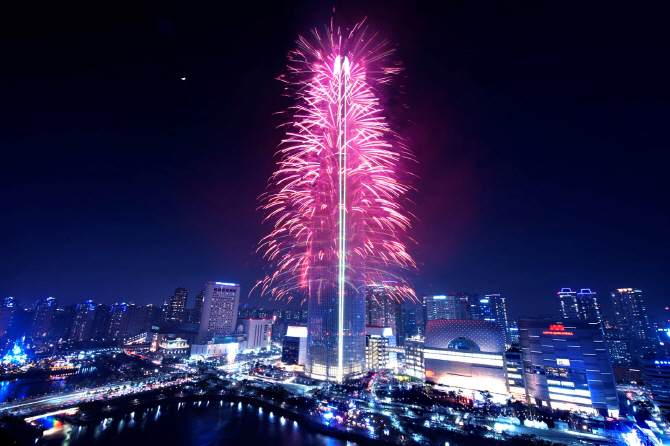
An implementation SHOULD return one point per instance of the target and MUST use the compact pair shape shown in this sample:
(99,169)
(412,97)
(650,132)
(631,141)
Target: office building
(377,343)
(492,308)
(414,359)
(567,366)
(43,314)
(446,306)
(177,305)
(258,333)
(514,332)
(294,346)
(656,377)
(466,354)
(411,322)
(219,311)
(516,383)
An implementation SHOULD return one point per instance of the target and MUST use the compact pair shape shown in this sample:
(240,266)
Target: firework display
(336,201)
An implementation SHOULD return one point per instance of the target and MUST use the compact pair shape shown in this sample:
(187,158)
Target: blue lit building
(567,366)
(656,376)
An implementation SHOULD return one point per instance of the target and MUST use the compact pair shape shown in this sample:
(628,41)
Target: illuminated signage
(558,330)
(430,374)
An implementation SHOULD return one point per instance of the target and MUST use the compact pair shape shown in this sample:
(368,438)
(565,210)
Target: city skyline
(533,174)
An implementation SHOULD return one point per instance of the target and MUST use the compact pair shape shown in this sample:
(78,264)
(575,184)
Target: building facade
(177,305)
(294,346)
(656,377)
(630,313)
(219,311)
(567,366)
(466,354)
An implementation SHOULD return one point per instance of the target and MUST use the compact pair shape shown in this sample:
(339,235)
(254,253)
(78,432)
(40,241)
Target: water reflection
(227,424)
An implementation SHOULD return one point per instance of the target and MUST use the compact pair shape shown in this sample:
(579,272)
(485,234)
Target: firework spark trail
(337,195)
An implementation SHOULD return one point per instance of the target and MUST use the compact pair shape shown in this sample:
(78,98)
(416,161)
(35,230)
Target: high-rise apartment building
(42,318)
(219,311)
(100,327)
(582,305)
(177,306)
(118,319)
(83,321)
(62,324)
(137,320)
(589,307)
(631,318)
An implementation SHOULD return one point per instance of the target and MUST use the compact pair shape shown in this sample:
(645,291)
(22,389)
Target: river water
(200,424)
(30,387)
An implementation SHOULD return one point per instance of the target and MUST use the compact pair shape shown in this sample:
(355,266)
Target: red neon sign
(430,373)
(556,327)
(560,333)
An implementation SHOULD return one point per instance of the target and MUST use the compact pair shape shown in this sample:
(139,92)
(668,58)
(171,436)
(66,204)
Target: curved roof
(487,335)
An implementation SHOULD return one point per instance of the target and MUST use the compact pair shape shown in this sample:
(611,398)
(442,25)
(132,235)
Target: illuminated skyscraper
(336,201)
(175,312)
(446,306)
(219,310)
(569,304)
(630,313)
(580,306)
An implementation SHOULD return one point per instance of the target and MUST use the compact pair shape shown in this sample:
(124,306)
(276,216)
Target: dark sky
(541,130)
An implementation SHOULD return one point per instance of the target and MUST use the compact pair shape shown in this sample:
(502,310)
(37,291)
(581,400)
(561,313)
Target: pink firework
(336,201)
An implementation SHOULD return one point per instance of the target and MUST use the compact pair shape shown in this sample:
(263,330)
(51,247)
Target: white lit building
(467,355)
(219,310)
(257,332)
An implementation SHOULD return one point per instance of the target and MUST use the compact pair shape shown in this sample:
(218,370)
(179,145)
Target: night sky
(541,131)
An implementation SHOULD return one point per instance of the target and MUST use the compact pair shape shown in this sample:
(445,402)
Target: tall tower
(219,310)
(177,306)
(336,200)
(336,308)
